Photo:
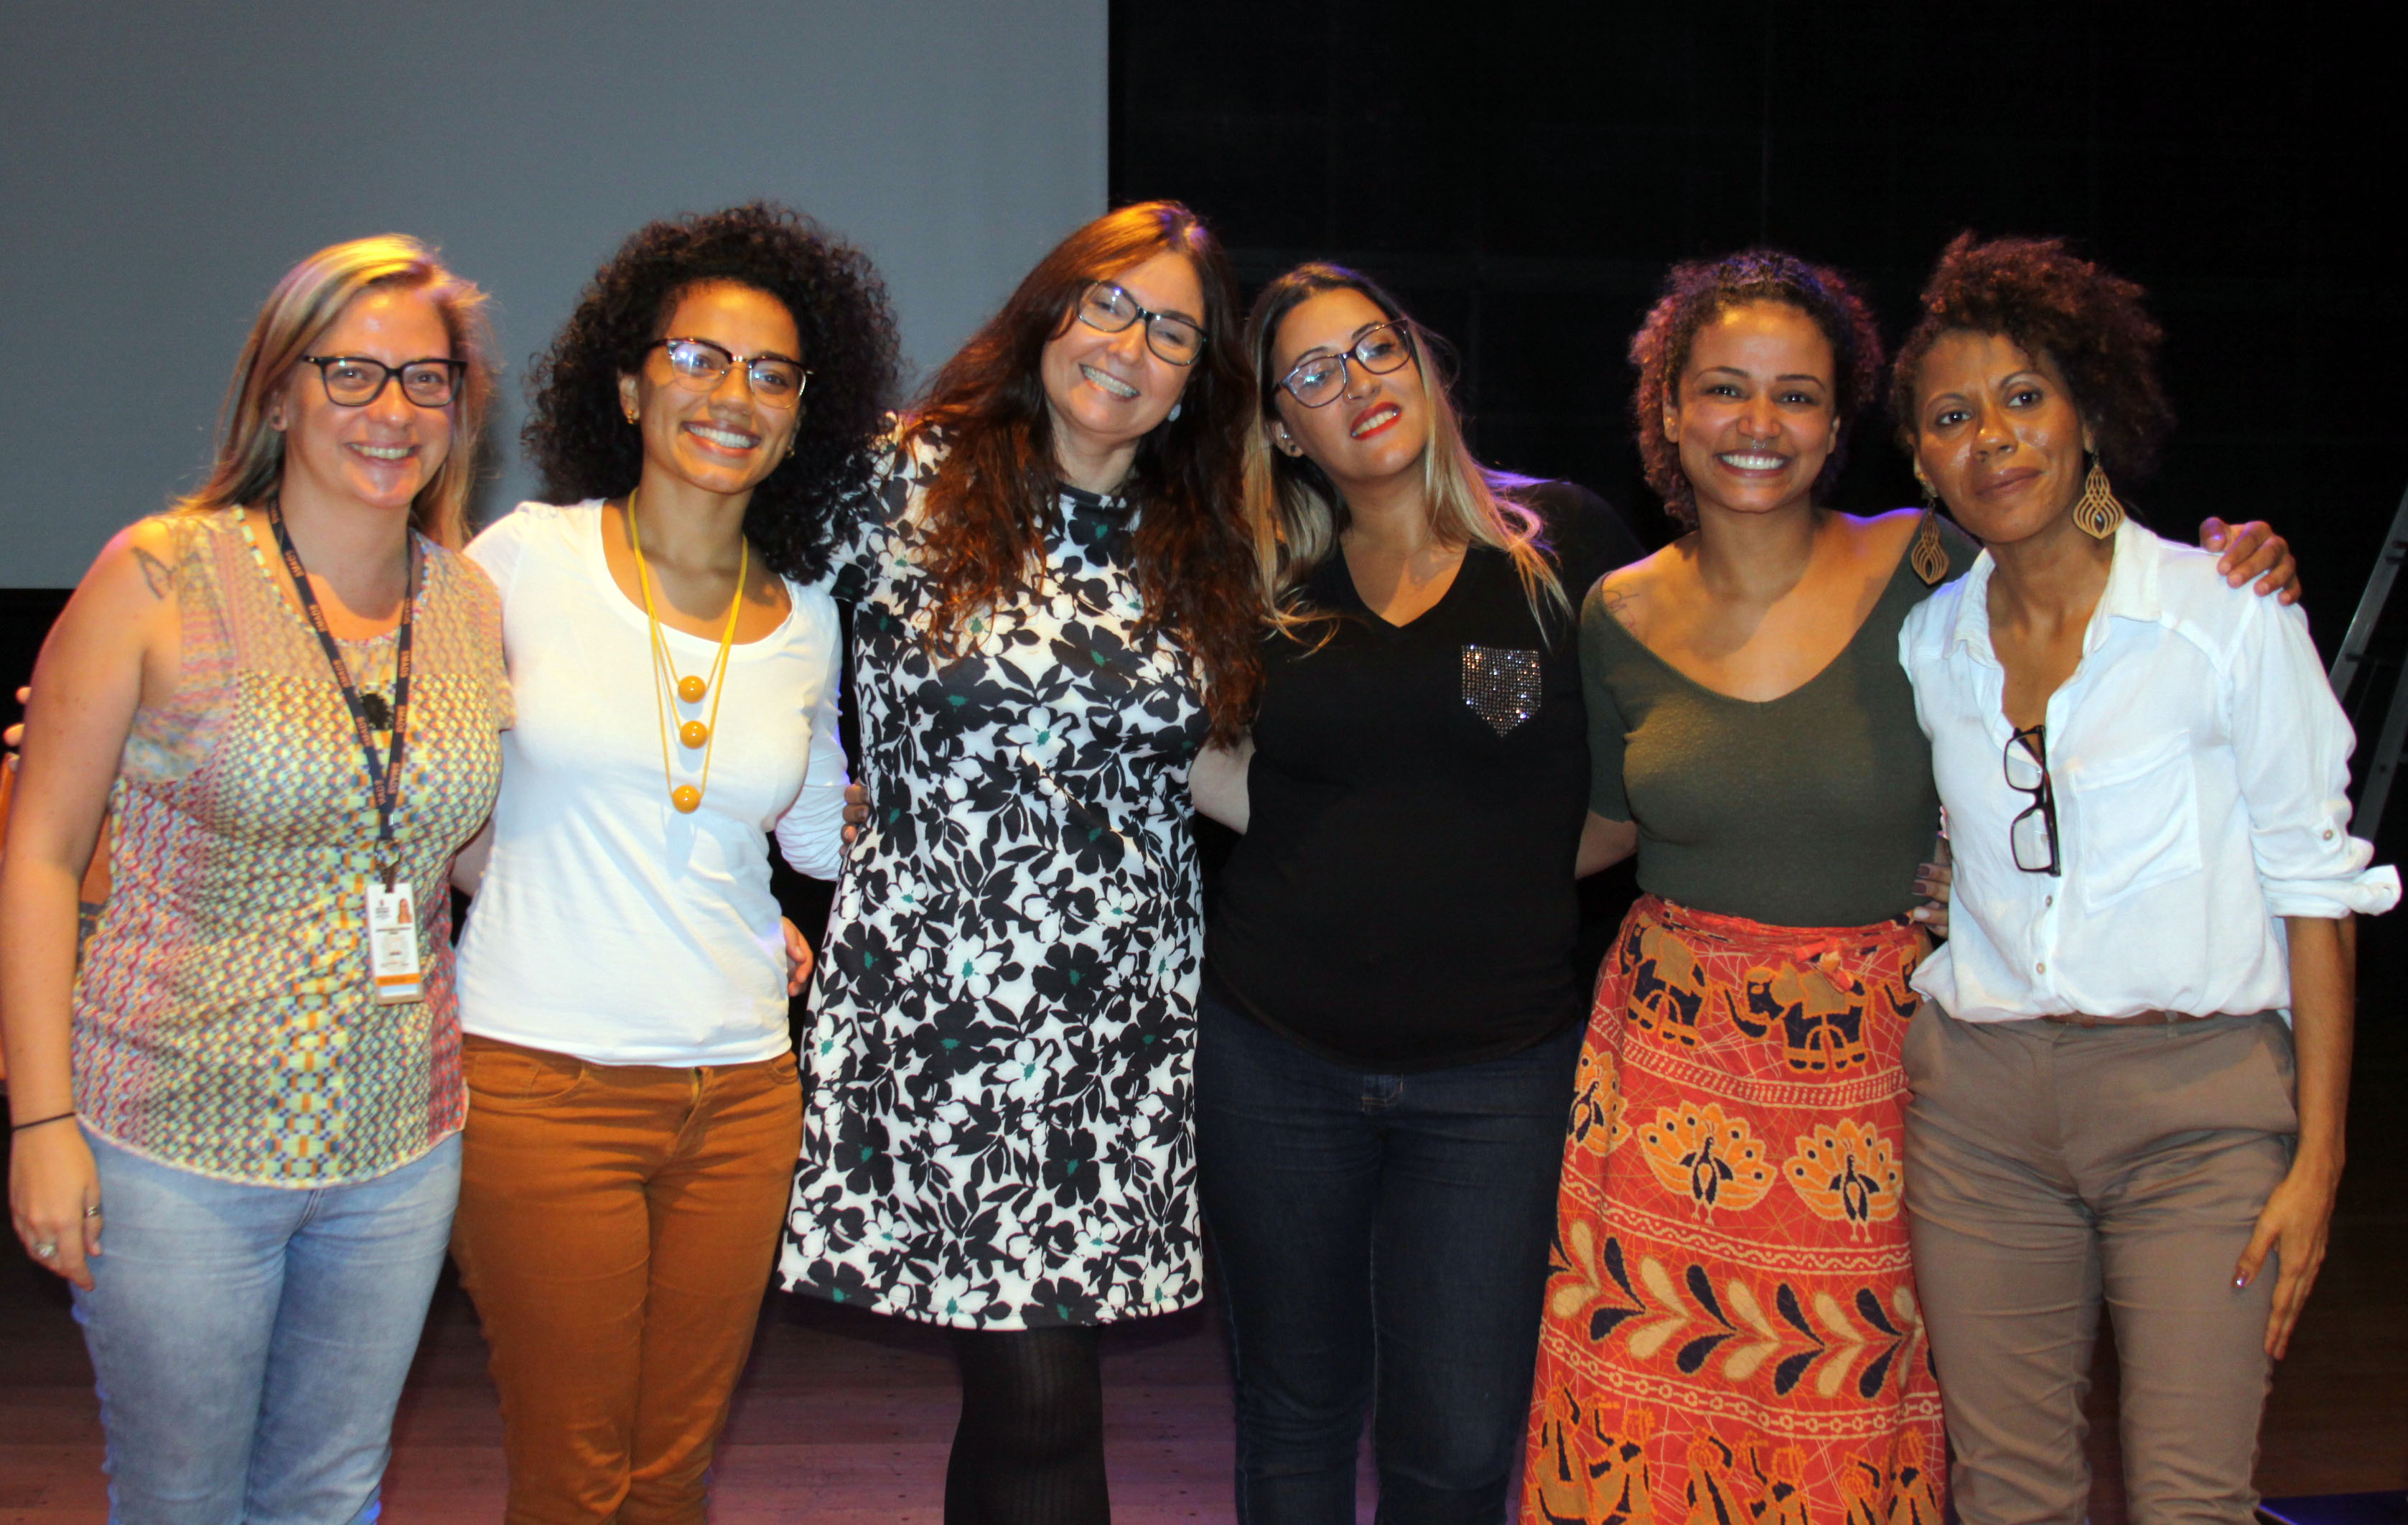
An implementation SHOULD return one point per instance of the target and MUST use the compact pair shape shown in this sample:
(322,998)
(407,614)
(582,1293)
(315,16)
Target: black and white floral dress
(997,1132)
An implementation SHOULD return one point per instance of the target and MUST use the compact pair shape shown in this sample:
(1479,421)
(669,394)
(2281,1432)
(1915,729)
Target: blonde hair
(1296,515)
(250,461)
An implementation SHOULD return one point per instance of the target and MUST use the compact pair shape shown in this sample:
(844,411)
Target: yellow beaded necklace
(687,798)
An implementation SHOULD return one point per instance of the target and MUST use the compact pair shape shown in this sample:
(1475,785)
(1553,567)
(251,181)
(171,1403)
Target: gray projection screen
(161,163)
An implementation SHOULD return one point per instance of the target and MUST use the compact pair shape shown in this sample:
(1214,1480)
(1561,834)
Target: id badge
(392,946)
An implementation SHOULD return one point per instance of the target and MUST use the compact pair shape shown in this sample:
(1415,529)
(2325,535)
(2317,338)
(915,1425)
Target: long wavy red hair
(995,491)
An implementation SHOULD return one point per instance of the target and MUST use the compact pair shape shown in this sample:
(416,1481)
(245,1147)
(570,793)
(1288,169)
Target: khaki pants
(616,1230)
(2051,1168)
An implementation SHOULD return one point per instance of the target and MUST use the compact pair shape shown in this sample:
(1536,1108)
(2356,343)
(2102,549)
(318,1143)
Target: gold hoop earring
(2098,513)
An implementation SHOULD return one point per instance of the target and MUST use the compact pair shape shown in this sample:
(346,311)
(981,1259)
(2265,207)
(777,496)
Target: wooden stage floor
(844,1417)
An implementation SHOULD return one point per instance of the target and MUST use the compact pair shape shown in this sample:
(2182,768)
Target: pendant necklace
(695,735)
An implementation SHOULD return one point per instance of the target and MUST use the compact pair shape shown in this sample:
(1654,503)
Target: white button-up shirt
(2198,762)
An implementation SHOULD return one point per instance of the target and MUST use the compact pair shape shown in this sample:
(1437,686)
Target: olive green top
(1811,810)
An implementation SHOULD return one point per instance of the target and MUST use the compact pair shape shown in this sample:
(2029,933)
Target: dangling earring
(2097,513)
(1928,557)
(1174,411)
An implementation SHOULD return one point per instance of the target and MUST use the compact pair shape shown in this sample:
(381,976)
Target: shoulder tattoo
(156,575)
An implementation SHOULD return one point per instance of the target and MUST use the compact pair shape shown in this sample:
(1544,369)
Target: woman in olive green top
(1732,1312)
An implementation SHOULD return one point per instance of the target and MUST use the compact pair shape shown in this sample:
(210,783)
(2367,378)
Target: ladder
(2382,763)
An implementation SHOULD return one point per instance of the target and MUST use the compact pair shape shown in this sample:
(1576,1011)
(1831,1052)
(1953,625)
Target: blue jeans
(1380,1237)
(251,1342)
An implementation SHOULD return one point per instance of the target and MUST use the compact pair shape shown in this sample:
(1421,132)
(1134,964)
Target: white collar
(2132,594)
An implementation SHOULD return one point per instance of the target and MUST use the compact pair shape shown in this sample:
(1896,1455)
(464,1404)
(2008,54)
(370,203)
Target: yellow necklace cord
(719,668)
(664,669)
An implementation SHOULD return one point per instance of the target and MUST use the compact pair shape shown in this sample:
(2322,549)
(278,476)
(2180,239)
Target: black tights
(1030,1448)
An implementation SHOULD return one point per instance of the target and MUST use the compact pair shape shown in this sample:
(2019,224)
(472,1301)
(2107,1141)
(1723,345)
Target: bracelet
(53,1117)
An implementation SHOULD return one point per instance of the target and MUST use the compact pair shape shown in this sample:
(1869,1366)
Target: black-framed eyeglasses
(778,381)
(2032,834)
(354,380)
(1108,310)
(1318,381)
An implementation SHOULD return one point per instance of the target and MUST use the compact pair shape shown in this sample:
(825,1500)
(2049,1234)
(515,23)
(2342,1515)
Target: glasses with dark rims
(2032,835)
(1108,310)
(354,380)
(1318,381)
(778,381)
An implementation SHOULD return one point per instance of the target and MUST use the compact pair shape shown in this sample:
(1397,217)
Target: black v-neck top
(1403,897)
(1811,810)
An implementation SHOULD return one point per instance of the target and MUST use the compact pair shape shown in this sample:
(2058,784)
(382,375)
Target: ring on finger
(46,1252)
(92,1212)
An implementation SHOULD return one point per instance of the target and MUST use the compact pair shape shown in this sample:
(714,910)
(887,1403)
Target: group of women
(1128,556)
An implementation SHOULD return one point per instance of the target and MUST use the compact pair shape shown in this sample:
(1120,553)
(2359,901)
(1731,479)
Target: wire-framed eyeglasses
(354,380)
(1108,310)
(700,365)
(2032,834)
(1318,381)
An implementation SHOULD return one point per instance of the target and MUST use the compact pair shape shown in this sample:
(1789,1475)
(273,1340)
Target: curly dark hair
(1696,292)
(579,440)
(2091,323)
(992,495)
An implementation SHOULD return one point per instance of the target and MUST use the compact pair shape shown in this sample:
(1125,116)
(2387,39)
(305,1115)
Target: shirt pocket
(1502,685)
(2138,820)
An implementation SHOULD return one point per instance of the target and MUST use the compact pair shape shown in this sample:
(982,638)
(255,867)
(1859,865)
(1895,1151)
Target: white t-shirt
(609,926)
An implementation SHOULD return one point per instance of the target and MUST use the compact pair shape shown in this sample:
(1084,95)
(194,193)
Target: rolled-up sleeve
(2292,746)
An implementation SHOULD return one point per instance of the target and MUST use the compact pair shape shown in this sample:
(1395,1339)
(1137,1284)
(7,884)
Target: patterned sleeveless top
(223,1022)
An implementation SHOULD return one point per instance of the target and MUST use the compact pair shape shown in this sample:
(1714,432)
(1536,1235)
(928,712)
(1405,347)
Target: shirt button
(2328,833)
(2040,969)
(2048,900)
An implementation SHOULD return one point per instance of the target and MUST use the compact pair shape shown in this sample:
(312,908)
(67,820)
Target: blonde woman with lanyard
(288,689)
(2132,1064)
(625,973)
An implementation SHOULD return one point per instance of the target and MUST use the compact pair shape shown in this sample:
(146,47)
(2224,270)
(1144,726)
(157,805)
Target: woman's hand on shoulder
(2253,550)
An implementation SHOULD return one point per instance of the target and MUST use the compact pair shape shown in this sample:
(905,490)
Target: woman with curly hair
(2130,1072)
(1731,1323)
(1057,607)
(1391,1012)
(673,651)
(283,697)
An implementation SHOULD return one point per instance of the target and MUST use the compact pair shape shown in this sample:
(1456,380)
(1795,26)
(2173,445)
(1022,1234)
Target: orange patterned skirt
(1731,1335)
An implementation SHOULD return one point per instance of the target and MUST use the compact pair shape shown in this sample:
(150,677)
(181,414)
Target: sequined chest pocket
(1502,684)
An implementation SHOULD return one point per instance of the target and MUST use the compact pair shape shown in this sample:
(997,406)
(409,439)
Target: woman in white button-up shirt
(2130,1072)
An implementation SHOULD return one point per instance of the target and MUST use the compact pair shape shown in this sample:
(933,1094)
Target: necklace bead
(690,689)
(686,798)
(694,733)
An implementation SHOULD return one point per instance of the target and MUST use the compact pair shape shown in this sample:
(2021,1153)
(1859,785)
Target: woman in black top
(1390,1014)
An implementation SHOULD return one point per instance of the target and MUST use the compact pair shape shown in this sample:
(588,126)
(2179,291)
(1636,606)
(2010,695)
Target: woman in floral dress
(1054,610)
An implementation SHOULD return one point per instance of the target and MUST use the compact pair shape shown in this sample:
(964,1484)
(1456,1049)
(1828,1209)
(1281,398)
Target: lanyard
(384,775)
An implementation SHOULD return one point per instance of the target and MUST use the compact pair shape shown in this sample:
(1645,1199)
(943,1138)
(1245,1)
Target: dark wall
(1523,173)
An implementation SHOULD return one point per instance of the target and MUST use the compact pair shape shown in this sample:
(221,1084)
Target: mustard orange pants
(616,1228)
